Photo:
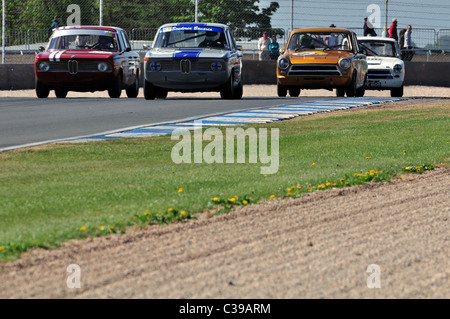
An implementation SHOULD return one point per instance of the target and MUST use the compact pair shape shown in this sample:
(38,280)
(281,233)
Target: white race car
(386,68)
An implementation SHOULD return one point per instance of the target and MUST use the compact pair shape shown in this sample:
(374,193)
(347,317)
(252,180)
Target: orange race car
(322,58)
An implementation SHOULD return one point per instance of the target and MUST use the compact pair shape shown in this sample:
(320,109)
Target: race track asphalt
(32,120)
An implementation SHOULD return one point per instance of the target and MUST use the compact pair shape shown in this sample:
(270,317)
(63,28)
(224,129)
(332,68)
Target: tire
(161,93)
(281,90)
(61,93)
(227,90)
(116,88)
(350,90)
(149,91)
(397,92)
(42,91)
(362,90)
(238,91)
(294,91)
(133,90)
(340,92)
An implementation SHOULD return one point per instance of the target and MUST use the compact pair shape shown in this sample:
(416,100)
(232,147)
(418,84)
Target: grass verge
(55,193)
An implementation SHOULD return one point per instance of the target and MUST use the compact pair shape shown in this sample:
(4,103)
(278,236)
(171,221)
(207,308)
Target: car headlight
(43,66)
(345,63)
(398,68)
(102,66)
(283,63)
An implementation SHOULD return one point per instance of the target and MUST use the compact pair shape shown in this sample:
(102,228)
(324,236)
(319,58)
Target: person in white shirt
(408,40)
(263,47)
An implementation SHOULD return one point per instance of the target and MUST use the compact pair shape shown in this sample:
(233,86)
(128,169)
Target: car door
(235,55)
(361,63)
(130,60)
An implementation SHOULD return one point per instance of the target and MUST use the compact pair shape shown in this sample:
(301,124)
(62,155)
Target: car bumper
(86,81)
(319,82)
(187,81)
(383,84)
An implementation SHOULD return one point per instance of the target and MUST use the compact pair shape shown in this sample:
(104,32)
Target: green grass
(54,193)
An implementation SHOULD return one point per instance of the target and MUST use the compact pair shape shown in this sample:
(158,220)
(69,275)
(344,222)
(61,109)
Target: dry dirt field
(318,246)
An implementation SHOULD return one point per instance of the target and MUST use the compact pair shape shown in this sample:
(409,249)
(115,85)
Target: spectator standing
(263,47)
(408,44)
(408,38)
(368,28)
(274,48)
(55,24)
(401,38)
(393,29)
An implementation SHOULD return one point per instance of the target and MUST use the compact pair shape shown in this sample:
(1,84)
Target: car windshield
(84,40)
(324,40)
(191,37)
(378,48)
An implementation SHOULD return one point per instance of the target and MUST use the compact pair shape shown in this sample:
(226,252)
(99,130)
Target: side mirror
(282,51)
(41,49)
(127,49)
(146,46)
(239,47)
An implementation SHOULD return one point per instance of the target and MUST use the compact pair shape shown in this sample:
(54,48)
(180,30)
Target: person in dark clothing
(368,28)
(55,24)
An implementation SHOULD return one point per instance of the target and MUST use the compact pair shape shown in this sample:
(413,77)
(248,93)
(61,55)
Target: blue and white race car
(193,57)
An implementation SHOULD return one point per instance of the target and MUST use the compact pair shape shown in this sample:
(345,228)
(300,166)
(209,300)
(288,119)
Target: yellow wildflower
(180,190)
(232,199)
(183,213)
(407,168)
(147,212)
(313,164)
(83,228)
(272,196)
(403,177)
(101,227)
(215,199)
(244,202)
(367,157)
(170,209)
(2,248)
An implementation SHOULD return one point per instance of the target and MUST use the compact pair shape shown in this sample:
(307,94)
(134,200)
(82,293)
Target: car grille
(75,66)
(312,70)
(379,75)
(181,66)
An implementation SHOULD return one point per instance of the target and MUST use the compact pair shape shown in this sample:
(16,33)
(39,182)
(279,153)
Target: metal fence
(27,21)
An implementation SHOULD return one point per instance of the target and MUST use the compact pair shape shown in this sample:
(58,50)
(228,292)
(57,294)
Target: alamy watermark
(186,151)
(375,15)
(374,279)
(74,279)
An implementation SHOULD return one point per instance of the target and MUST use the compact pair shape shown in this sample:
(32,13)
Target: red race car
(87,59)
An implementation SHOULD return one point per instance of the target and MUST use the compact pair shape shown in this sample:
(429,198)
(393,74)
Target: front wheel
(42,91)
(362,90)
(397,92)
(227,90)
(294,92)
(149,91)
(61,93)
(340,92)
(133,90)
(281,90)
(351,88)
(116,88)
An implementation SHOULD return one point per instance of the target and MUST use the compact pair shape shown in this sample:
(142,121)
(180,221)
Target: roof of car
(321,29)
(217,25)
(377,39)
(90,27)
